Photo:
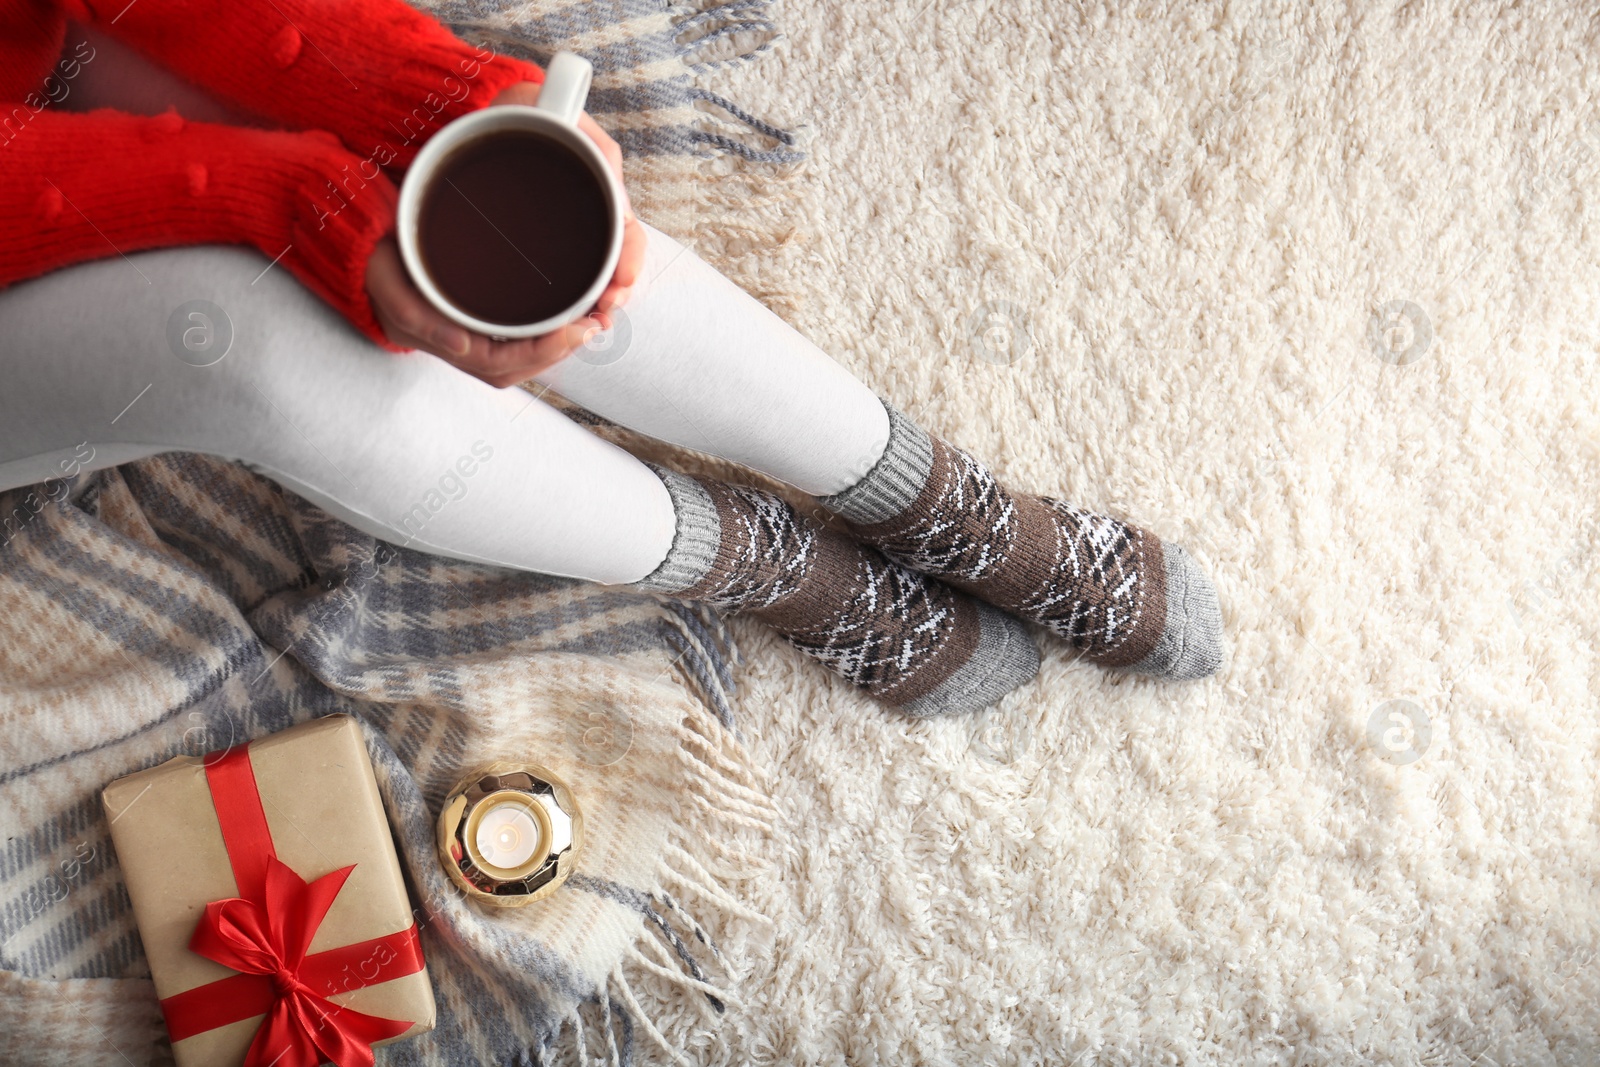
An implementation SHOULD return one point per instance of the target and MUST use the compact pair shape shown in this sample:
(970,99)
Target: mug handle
(566,87)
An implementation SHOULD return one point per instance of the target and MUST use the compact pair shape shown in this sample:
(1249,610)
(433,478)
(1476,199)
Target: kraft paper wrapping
(324,811)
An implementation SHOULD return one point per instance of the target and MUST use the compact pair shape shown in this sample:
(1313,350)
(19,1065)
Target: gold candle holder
(510,833)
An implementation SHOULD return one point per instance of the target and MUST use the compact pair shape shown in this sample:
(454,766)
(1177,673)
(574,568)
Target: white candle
(507,836)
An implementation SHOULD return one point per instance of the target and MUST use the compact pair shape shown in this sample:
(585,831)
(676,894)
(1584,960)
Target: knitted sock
(1114,591)
(909,641)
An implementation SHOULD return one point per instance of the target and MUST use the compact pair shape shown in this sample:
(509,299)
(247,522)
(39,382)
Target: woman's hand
(408,319)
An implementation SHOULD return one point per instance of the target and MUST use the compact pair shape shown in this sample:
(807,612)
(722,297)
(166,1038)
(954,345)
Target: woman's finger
(603,141)
(394,332)
(515,362)
(612,152)
(553,347)
(506,363)
(630,264)
(393,296)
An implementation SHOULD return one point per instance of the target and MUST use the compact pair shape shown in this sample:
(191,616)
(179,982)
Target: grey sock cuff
(695,542)
(894,482)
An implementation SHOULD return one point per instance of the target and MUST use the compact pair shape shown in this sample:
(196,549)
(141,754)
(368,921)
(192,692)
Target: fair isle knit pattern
(182,604)
(882,657)
(764,552)
(1111,590)
(909,641)
(1097,582)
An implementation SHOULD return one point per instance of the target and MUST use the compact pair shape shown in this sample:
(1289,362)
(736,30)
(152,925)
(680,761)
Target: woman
(304,352)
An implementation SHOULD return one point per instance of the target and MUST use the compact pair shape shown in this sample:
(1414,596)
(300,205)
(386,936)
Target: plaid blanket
(182,604)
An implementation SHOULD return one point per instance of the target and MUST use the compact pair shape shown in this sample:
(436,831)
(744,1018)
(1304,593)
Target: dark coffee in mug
(514,227)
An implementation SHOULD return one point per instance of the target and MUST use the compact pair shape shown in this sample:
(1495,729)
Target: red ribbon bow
(265,933)
(303,1029)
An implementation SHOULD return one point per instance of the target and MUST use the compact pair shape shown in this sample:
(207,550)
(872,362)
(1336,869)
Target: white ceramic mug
(561,99)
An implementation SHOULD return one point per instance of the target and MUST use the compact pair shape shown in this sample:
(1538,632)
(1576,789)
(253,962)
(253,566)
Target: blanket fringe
(686,982)
(692,924)
(699,749)
(720,745)
(620,982)
(611,1033)
(711,891)
(718,754)
(737,793)
(722,786)
(715,34)
(759,813)
(576,1022)
(738,858)
(728,815)
(724,789)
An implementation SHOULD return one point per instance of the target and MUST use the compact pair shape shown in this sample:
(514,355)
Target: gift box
(270,901)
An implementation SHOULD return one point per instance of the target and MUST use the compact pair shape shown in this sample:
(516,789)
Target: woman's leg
(198,350)
(698,362)
(209,349)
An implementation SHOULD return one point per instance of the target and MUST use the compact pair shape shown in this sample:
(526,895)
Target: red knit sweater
(357,85)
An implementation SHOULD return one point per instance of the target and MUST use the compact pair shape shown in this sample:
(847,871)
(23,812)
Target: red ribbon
(265,932)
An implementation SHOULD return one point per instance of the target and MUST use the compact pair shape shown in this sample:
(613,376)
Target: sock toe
(1190,645)
(1005,658)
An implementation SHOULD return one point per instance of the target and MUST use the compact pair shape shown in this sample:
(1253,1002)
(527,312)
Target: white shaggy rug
(1317,294)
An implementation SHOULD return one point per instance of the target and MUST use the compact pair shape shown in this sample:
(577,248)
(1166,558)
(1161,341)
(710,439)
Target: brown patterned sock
(909,641)
(1114,591)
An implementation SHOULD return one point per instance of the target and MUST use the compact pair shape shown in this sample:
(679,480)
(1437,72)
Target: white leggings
(101,365)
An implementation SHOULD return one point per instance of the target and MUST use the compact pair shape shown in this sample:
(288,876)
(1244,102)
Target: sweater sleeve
(86,186)
(379,74)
